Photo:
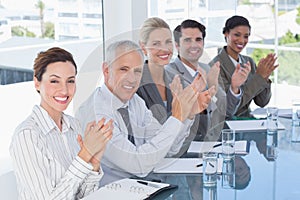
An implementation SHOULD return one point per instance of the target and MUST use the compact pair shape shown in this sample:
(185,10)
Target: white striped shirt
(46,162)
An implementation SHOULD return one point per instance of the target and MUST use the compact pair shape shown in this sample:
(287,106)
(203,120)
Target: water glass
(210,193)
(210,167)
(296,110)
(295,131)
(228,140)
(228,174)
(295,120)
(271,151)
(272,120)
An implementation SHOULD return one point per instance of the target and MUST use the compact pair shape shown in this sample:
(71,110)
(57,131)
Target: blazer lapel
(149,89)
(226,63)
(183,71)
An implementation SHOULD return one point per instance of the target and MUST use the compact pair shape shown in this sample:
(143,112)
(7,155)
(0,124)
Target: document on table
(130,189)
(183,166)
(262,113)
(250,125)
(241,147)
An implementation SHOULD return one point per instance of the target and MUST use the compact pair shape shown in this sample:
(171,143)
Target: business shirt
(153,141)
(45,159)
(255,88)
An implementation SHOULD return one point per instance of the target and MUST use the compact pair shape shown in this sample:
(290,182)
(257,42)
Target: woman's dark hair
(235,21)
(52,55)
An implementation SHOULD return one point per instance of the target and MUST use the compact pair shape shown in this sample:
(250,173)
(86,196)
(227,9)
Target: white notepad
(183,166)
(200,147)
(250,125)
(127,189)
(260,113)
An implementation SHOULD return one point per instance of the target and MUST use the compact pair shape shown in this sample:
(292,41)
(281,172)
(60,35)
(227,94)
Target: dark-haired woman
(257,86)
(51,161)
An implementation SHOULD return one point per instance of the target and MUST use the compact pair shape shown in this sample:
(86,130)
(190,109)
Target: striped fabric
(46,162)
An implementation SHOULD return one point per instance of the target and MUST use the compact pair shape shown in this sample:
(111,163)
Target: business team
(146,110)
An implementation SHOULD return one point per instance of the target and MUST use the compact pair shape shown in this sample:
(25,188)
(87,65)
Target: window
(92,15)
(263,38)
(68,14)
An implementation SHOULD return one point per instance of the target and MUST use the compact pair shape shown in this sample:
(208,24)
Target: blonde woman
(157,44)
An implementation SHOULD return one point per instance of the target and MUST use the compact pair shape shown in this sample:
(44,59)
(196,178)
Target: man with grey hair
(139,141)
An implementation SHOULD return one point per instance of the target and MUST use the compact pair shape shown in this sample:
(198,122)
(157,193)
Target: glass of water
(228,140)
(210,167)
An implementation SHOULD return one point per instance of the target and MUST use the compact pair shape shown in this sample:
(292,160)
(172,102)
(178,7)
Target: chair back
(8,186)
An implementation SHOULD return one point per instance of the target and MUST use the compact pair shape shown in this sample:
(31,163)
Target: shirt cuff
(175,120)
(80,168)
(95,176)
(239,95)
(176,123)
(188,121)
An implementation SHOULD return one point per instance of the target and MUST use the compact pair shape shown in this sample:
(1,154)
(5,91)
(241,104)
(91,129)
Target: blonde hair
(150,25)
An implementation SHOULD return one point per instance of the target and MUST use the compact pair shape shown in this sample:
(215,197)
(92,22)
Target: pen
(201,164)
(149,184)
(217,145)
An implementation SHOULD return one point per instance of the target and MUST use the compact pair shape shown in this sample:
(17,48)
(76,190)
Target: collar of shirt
(115,102)
(190,70)
(46,123)
(234,61)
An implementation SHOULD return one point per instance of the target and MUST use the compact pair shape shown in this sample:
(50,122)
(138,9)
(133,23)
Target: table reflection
(269,171)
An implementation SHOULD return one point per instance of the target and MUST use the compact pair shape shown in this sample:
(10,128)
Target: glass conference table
(270,171)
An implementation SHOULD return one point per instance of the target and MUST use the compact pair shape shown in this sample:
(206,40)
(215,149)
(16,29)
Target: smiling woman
(253,83)
(54,79)
(51,160)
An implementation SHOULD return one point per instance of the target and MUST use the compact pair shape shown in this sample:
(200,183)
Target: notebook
(250,125)
(133,189)
(183,166)
(241,147)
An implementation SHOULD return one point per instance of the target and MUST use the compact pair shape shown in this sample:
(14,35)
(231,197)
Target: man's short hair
(189,23)
(119,48)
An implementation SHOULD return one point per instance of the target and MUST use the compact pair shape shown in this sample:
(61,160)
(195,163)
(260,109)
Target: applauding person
(253,82)
(139,141)
(51,160)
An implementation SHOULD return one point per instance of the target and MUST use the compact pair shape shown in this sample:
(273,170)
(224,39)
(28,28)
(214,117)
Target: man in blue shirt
(152,141)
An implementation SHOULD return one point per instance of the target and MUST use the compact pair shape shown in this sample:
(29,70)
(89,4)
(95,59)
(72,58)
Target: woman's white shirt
(45,159)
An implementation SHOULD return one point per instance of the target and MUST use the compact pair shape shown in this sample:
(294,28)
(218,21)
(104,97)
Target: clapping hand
(267,65)
(213,77)
(239,76)
(186,98)
(204,97)
(95,139)
(203,101)
(201,78)
(183,99)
